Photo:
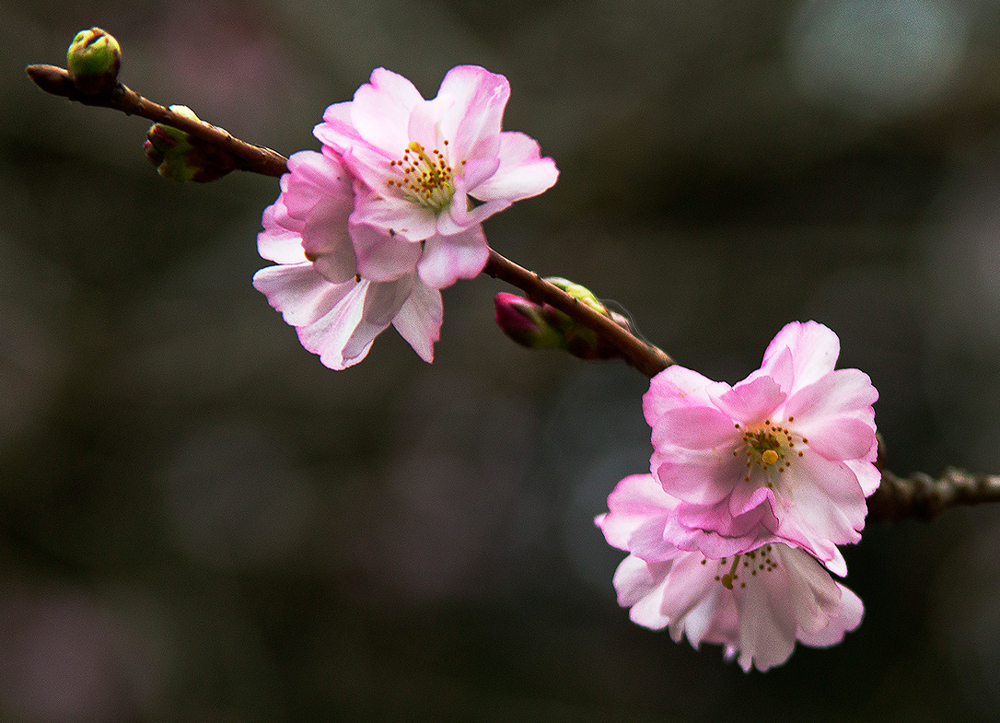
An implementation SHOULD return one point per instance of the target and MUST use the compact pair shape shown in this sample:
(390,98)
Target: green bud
(578,292)
(93,60)
(579,340)
(180,156)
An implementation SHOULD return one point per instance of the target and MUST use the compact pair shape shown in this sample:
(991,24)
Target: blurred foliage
(198,522)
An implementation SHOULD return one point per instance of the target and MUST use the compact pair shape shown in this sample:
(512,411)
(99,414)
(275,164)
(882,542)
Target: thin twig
(647,358)
(57,81)
(897,498)
(925,497)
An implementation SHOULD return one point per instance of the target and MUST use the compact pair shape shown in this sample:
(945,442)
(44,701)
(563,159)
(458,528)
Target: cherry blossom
(430,171)
(785,455)
(337,304)
(756,604)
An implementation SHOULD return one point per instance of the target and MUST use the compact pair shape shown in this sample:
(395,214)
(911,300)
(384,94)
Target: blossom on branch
(336,307)
(430,171)
(367,232)
(786,455)
(756,604)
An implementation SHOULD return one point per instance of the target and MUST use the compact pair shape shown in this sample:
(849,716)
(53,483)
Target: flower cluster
(367,232)
(752,487)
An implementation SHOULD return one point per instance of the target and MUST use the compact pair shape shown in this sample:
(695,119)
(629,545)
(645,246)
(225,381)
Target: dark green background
(198,522)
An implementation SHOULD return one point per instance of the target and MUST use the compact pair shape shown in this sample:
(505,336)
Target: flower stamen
(426,176)
(771,445)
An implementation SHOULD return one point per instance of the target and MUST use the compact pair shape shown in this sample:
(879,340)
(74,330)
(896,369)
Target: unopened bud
(180,156)
(578,292)
(93,60)
(581,341)
(541,326)
(526,322)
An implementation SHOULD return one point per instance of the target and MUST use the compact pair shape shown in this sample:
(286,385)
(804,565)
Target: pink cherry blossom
(786,455)
(337,304)
(432,170)
(756,604)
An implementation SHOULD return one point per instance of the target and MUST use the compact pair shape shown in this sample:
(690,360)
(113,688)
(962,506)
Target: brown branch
(647,358)
(57,81)
(918,495)
(924,497)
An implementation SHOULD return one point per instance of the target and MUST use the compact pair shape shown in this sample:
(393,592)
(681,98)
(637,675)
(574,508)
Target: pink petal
(300,293)
(747,498)
(672,388)
(325,239)
(337,131)
(280,215)
(372,169)
(814,350)
(381,110)
(383,256)
(691,597)
(819,505)
(767,624)
(329,335)
(749,402)
(457,216)
(278,244)
(840,393)
(839,438)
(522,172)
(419,319)
(847,618)
(697,528)
(780,367)
(424,124)
(475,172)
(384,300)
(639,585)
(633,502)
(473,122)
(314,177)
(381,303)
(698,477)
(394,214)
(449,258)
(809,590)
(695,428)
(867,473)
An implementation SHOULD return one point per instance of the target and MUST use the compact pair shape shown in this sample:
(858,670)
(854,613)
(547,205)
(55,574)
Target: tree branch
(897,498)
(57,81)
(924,497)
(647,358)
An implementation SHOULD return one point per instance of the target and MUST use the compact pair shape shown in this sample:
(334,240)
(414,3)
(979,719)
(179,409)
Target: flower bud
(526,322)
(540,326)
(578,292)
(581,341)
(93,60)
(180,156)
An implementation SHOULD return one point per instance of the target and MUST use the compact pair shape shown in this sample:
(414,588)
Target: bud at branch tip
(93,60)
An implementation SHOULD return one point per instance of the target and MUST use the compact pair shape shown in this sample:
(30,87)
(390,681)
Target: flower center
(424,176)
(769,447)
(745,566)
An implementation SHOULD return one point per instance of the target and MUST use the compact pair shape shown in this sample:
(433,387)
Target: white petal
(419,319)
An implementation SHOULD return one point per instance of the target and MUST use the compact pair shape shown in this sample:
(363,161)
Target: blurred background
(199,522)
